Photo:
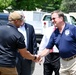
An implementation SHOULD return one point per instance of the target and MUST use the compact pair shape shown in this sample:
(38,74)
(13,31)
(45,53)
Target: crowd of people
(18,46)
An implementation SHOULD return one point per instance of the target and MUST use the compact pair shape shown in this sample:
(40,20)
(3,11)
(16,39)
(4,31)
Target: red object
(44,23)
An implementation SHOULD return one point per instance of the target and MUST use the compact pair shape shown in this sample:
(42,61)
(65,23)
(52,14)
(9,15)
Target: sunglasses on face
(54,18)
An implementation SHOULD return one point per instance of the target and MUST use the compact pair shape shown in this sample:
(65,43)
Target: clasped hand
(37,58)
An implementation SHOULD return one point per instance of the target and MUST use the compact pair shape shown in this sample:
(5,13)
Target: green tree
(45,5)
(68,6)
(4,4)
(48,5)
(23,5)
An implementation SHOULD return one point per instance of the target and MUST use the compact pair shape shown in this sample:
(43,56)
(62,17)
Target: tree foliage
(48,5)
(68,6)
(4,4)
(23,5)
(45,5)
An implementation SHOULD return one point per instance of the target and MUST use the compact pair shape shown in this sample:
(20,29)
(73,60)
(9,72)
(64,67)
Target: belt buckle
(74,56)
(67,59)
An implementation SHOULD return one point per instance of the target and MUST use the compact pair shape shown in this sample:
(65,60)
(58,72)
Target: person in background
(25,66)
(64,37)
(52,60)
(11,41)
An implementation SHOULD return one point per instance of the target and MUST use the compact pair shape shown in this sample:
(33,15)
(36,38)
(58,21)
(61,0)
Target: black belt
(67,59)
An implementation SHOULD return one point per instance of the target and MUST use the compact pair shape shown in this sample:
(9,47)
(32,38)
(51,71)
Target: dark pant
(23,66)
(52,63)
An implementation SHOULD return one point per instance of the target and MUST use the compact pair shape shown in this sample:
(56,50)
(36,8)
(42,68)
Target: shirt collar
(12,25)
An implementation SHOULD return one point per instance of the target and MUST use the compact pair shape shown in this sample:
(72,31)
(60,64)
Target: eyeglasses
(54,18)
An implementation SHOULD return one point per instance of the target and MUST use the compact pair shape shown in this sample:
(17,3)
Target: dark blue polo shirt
(10,41)
(66,41)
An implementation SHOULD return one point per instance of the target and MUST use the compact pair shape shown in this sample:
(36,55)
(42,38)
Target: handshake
(37,58)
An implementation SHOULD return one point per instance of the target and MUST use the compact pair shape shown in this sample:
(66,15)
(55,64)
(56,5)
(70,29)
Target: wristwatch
(35,58)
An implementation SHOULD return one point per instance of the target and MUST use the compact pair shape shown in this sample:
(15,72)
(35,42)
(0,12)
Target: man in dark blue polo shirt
(64,37)
(11,41)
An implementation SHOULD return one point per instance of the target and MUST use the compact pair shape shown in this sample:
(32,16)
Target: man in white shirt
(52,60)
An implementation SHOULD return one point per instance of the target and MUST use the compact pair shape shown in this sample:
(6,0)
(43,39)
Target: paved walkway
(38,69)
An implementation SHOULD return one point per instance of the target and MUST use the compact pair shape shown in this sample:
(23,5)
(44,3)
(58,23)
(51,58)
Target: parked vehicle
(3,18)
(73,14)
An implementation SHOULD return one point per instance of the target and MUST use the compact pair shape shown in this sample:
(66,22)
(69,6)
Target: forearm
(44,52)
(26,54)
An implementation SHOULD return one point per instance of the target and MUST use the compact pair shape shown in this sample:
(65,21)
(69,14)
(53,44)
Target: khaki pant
(68,67)
(8,71)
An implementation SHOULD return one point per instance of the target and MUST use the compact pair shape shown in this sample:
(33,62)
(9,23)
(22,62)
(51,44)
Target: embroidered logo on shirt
(67,32)
(8,26)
